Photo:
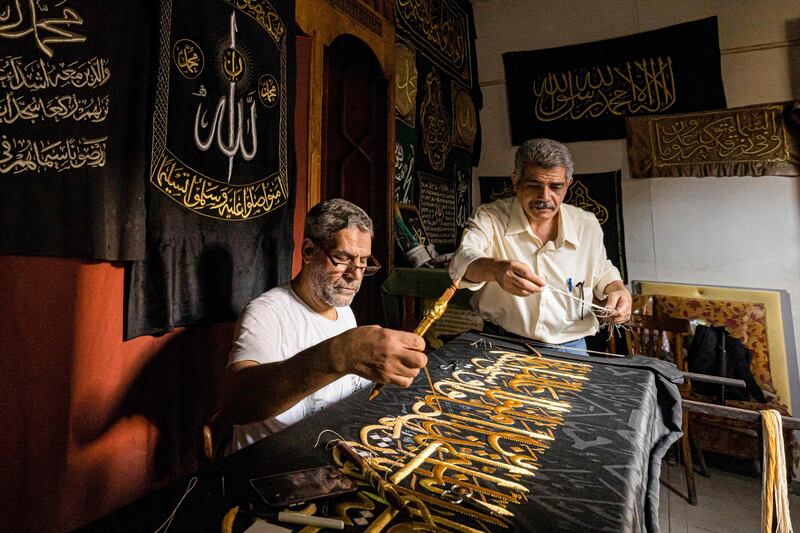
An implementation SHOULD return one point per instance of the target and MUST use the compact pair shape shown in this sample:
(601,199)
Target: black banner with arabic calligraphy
(73,123)
(219,215)
(599,193)
(584,92)
(437,100)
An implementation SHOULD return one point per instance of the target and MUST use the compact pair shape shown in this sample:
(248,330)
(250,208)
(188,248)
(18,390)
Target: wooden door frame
(323,21)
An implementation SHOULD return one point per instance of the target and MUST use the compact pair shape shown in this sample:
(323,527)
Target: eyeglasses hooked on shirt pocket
(577,307)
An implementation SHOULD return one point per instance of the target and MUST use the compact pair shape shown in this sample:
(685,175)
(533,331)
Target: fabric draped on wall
(73,122)
(437,100)
(598,193)
(584,92)
(219,215)
(760,140)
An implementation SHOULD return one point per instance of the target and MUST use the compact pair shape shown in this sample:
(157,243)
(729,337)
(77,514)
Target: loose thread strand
(168,522)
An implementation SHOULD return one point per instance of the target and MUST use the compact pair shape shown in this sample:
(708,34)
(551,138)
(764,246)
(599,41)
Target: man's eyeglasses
(349,267)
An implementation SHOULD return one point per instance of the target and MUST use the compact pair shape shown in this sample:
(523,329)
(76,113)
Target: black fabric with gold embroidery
(599,472)
(583,92)
(219,215)
(73,127)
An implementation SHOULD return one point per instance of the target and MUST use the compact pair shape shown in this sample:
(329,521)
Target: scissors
(457,494)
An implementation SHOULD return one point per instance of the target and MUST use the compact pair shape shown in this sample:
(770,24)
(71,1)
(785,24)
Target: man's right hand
(517,278)
(379,354)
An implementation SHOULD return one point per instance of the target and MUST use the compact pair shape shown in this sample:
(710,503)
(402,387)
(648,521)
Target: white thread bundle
(601,313)
(596,310)
(774,490)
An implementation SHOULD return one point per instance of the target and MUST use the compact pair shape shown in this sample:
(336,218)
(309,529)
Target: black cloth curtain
(583,92)
(605,453)
(73,123)
(219,215)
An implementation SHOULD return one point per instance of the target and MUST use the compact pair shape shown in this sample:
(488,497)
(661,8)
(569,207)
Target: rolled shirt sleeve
(609,274)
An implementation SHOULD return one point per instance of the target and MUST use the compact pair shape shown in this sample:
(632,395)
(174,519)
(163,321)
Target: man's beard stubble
(327,290)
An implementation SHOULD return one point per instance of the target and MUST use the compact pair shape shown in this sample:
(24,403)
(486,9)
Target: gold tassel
(774,488)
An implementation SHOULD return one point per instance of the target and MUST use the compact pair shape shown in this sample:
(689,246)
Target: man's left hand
(619,302)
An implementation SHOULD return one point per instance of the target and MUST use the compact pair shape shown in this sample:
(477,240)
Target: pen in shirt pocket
(569,285)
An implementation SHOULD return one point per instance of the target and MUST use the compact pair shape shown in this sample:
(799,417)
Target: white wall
(737,231)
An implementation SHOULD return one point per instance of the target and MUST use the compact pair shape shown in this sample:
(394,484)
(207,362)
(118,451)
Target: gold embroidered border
(441,28)
(214,199)
(747,141)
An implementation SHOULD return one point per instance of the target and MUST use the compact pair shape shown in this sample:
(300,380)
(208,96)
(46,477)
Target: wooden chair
(664,337)
(641,304)
(215,435)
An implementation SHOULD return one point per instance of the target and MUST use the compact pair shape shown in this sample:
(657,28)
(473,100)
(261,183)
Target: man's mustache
(542,205)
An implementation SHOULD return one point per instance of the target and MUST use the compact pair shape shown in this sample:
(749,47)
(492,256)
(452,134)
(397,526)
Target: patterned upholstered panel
(744,320)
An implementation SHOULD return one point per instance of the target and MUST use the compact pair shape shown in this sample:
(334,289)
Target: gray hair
(326,218)
(545,153)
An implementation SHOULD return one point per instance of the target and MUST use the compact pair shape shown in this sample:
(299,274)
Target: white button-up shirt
(501,230)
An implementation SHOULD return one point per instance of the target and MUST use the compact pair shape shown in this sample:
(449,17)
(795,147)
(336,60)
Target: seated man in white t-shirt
(297,349)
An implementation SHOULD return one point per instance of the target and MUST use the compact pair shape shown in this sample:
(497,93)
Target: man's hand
(379,354)
(619,302)
(517,278)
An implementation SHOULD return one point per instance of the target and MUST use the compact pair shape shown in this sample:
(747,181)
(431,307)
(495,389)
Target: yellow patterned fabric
(744,320)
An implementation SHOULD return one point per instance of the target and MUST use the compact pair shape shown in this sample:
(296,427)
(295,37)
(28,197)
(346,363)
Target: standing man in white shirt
(513,248)
(297,349)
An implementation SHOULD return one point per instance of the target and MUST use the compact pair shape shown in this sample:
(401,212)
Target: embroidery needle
(434,313)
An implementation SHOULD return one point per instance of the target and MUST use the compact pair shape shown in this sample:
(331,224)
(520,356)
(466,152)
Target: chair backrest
(658,336)
(214,438)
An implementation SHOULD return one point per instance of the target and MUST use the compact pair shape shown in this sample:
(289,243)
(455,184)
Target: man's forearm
(614,286)
(262,391)
(482,269)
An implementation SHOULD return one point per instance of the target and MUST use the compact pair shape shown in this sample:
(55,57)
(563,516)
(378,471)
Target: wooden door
(354,151)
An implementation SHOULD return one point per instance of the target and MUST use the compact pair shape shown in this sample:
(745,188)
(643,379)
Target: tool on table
(459,495)
(263,521)
(434,313)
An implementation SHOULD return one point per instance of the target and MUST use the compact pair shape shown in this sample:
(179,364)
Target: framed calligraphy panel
(584,92)
(437,206)
(759,140)
(410,231)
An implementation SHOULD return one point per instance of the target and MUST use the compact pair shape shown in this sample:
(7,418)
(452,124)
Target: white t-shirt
(274,327)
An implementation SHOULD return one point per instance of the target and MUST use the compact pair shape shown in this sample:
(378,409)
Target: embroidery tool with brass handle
(385,489)
(434,313)
(459,495)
